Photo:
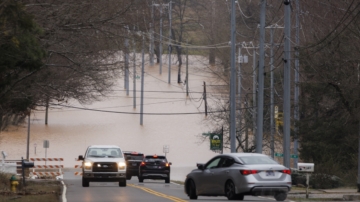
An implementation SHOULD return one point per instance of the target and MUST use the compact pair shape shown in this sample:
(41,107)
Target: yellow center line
(172,198)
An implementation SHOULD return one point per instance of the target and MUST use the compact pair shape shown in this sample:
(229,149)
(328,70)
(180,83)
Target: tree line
(53,51)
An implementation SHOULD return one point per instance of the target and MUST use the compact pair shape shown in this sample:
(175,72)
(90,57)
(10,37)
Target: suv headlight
(122,165)
(87,165)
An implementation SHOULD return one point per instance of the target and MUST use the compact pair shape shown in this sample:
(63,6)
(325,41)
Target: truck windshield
(105,152)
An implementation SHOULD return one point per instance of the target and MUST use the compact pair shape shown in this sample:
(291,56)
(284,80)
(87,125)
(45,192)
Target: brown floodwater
(70,131)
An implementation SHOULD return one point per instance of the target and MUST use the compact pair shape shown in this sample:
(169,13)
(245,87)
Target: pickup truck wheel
(85,183)
(122,183)
(141,179)
(128,177)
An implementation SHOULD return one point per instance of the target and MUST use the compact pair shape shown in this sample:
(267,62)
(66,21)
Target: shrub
(324,181)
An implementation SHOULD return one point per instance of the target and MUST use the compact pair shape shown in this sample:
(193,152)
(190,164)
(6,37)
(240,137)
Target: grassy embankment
(41,190)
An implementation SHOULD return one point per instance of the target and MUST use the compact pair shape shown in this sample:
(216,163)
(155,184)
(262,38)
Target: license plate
(270,173)
(134,164)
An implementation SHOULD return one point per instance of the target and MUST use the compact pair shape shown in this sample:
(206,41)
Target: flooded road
(70,131)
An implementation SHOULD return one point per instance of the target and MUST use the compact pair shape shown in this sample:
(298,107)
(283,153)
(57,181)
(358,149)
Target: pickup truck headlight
(122,165)
(87,165)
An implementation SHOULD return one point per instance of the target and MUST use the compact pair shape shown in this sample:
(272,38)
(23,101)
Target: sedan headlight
(87,165)
(122,165)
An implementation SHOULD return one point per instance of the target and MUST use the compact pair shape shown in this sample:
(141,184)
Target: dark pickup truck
(133,161)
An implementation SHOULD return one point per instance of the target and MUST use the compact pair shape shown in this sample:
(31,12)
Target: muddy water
(71,131)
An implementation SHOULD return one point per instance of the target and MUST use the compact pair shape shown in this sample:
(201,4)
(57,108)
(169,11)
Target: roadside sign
(166,149)
(216,141)
(294,156)
(279,154)
(46,144)
(206,134)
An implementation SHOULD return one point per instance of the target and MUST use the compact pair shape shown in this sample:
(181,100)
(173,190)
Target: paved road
(148,191)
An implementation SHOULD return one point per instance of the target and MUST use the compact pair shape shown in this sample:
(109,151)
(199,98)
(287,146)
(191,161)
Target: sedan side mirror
(200,166)
(80,158)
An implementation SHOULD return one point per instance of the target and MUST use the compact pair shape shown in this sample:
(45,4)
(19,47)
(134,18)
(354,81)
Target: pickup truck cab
(103,163)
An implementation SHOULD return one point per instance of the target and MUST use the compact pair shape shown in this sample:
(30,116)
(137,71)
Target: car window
(133,157)
(213,163)
(226,162)
(105,152)
(155,159)
(252,160)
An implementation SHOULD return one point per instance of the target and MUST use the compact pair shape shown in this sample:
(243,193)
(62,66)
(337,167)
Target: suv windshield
(105,152)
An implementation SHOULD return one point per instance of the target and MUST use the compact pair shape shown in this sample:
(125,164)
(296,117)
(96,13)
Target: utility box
(306,167)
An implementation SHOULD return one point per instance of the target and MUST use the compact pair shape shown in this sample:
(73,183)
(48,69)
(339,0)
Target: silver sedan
(237,174)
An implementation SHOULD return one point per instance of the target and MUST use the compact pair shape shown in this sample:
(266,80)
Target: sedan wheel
(192,190)
(141,179)
(280,196)
(230,192)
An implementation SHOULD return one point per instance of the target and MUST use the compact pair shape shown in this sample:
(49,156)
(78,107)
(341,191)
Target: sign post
(166,149)
(46,145)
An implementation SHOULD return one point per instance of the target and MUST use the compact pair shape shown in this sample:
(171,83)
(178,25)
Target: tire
(230,191)
(192,190)
(280,196)
(141,179)
(128,177)
(122,183)
(240,197)
(85,183)
(167,180)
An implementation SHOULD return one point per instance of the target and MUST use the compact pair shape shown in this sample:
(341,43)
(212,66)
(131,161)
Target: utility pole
(142,82)
(205,100)
(134,74)
(233,82)
(287,70)
(28,137)
(358,179)
(272,110)
(272,125)
(240,60)
(126,85)
(254,94)
(152,35)
(260,105)
(239,72)
(160,43)
(47,110)
(187,71)
(170,8)
(297,87)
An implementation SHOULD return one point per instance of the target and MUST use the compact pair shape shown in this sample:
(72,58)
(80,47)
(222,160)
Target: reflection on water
(71,131)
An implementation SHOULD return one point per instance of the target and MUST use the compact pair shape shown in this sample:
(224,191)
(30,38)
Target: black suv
(133,160)
(154,167)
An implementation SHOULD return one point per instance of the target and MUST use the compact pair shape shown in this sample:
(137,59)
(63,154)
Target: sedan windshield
(253,160)
(105,152)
